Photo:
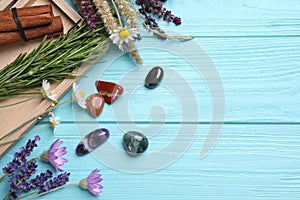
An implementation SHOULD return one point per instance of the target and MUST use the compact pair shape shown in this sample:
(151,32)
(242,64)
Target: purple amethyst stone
(91,141)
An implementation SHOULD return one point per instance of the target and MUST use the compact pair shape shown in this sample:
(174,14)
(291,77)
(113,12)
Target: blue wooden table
(236,83)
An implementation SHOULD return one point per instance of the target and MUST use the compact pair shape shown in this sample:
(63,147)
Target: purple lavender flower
(53,183)
(54,153)
(156,8)
(91,183)
(38,181)
(18,182)
(151,23)
(88,12)
(20,157)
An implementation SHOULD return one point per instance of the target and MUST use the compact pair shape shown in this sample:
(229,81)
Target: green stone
(135,143)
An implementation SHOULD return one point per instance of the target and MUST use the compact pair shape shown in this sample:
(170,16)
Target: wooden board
(12,117)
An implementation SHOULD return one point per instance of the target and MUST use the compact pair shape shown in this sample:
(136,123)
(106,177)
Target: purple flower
(18,182)
(53,183)
(38,180)
(20,158)
(91,183)
(54,153)
(88,12)
(156,8)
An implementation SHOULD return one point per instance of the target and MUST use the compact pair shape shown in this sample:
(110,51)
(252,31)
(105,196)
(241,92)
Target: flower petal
(60,151)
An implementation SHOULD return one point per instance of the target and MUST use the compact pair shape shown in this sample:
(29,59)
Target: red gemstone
(95,104)
(109,90)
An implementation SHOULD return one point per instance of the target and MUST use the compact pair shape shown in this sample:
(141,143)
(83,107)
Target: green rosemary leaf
(53,60)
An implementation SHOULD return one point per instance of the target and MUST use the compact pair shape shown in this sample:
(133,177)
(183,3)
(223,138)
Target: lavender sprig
(153,25)
(20,158)
(18,182)
(88,12)
(53,183)
(156,8)
(91,183)
(38,180)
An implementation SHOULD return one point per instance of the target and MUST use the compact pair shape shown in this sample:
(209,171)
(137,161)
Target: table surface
(254,47)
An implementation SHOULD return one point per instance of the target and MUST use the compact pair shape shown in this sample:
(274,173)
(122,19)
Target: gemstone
(154,77)
(135,143)
(95,104)
(109,90)
(91,141)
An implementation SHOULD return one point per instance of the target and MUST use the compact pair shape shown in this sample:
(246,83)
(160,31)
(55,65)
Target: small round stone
(95,104)
(154,77)
(135,143)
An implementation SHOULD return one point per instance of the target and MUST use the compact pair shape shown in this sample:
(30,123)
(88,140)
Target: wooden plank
(249,162)
(260,78)
(235,18)
(66,8)
(238,9)
(6,4)
(213,28)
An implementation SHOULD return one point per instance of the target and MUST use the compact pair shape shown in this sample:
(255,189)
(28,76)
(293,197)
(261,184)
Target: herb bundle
(52,60)
(120,18)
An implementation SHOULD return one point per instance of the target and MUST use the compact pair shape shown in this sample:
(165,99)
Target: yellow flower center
(82,93)
(44,94)
(124,33)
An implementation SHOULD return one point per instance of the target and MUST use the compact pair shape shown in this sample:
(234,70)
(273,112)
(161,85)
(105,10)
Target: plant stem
(34,118)
(27,195)
(180,38)
(6,197)
(19,102)
(3,177)
(24,135)
(117,12)
(57,188)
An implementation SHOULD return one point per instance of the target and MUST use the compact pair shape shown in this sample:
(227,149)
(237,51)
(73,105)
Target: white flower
(123,34)
(46,91)
(54,121)
(78,96)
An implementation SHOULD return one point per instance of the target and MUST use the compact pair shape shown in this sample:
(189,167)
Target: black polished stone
(154,77)
(135,143)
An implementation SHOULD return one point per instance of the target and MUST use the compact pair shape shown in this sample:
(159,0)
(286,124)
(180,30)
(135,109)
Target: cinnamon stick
(28,11)
(28,16)
(55,28)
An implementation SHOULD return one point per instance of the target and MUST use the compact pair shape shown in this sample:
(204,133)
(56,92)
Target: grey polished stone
(135,143)
(154,77)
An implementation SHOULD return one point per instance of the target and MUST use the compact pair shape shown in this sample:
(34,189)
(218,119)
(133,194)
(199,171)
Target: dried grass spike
(129,12)
(106,15)
(132,49)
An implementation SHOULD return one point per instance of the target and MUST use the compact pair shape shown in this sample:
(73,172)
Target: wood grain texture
(255,46)
(256,72)
(249,162)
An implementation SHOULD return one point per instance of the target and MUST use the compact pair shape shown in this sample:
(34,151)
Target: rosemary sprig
(52,60)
